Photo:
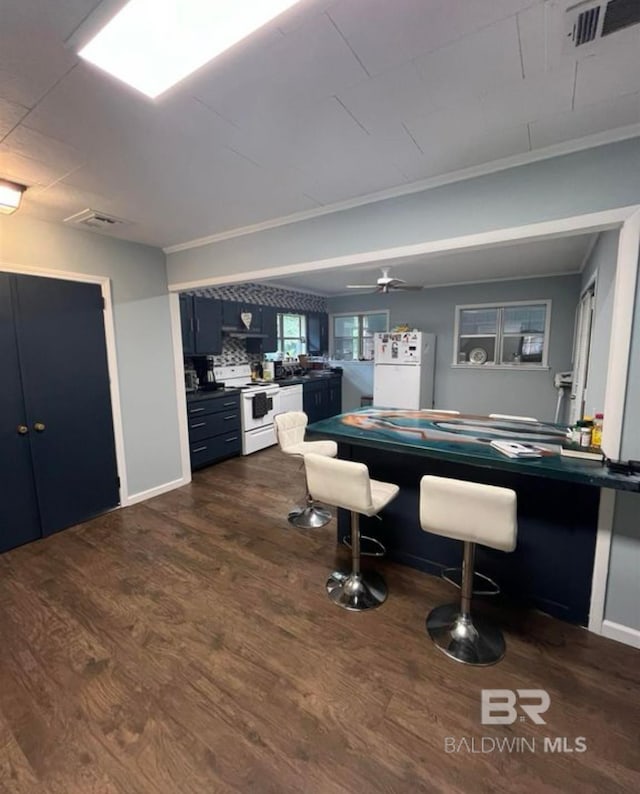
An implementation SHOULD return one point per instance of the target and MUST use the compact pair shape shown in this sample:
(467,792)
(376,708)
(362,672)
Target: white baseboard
(625,634)
(142,496)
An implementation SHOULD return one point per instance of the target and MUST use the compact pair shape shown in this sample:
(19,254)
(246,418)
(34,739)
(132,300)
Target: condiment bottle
(596,433)
(586,426)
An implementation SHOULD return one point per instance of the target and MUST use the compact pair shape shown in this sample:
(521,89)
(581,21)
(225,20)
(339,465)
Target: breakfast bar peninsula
(558,497)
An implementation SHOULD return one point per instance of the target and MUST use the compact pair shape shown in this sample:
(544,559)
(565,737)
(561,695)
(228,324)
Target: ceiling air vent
(98,221)
(592,20)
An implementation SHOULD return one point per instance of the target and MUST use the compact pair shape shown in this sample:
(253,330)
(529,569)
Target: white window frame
(501,305)
(303,338)
(359,314)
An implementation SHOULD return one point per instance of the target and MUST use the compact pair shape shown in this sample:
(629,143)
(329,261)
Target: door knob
(23,430)
(39,427)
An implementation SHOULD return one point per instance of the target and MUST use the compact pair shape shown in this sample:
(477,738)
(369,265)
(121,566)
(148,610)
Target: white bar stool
(474,513)
(290,429)
(346,484)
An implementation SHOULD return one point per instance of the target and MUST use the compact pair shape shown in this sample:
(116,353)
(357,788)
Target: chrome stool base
(467,639)
(482,585)
(357,591)
(310,517)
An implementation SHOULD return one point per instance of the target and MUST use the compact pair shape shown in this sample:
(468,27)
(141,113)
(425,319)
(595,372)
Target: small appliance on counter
(278,370)
(203,366)
(190,380)
(257,371)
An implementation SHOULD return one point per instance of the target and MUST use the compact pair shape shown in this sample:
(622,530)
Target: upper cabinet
(268,326)
(230,315)
(317,333)
(187,324)
(205,321)
(201,322)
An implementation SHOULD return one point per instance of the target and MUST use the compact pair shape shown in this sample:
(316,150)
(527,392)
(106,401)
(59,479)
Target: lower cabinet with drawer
(214,428)
(322,397)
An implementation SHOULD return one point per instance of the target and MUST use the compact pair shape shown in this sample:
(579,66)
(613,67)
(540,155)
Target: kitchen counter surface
(466,439)
(295,379)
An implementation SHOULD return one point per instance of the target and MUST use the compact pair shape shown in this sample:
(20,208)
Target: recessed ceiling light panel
(153,44)
(10,196)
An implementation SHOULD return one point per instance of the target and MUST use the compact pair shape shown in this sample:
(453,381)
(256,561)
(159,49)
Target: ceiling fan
(386,283)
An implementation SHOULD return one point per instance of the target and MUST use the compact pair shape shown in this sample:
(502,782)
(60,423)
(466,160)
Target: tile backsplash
(234,351)
(266,295)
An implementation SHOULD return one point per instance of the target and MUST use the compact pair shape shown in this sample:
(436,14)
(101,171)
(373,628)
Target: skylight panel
(153,44)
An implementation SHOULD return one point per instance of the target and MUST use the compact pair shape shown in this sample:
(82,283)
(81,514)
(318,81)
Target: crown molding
(515,161)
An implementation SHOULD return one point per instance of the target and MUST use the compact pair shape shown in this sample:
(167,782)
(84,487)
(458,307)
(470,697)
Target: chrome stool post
(312,515)
(467,639)
(356,590)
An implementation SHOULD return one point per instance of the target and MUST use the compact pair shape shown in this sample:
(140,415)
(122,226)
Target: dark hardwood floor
(186,644)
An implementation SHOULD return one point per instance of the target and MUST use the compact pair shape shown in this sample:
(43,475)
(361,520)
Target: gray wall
(483,390)
(588,181)
(602,263)
(142,329)
(631,426)
(357,381)
(623,592)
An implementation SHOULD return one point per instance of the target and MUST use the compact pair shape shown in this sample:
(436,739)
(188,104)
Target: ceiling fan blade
(409,287)
(361,286)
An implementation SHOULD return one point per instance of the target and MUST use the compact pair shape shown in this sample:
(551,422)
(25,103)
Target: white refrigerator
(404,370)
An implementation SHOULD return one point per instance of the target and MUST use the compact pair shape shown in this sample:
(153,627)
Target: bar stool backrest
(290,428)
(343,483)
(469,511)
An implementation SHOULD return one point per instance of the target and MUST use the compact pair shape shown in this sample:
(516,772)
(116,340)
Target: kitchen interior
(418,225)
(332,353)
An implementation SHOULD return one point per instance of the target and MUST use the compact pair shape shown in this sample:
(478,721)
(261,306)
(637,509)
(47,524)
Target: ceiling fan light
(10,196)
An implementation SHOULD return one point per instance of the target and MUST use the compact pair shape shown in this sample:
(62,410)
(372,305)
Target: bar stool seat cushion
(469,511)
(327,448)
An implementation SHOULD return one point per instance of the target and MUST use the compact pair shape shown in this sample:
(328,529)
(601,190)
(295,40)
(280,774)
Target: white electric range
(256,415)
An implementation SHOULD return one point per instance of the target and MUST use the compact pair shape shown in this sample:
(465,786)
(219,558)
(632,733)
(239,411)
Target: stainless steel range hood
(235,334)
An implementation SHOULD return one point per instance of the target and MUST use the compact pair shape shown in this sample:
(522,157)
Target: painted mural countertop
(466,438)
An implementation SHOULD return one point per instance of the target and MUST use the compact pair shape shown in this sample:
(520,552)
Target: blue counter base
(551,568)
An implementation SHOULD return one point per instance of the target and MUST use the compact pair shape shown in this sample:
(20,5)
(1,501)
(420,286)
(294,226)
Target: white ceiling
(333,101)
(557,256)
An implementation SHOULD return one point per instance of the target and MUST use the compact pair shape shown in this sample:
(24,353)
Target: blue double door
(57,453)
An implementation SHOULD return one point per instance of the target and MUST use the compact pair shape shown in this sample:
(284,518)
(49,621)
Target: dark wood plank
(186,644)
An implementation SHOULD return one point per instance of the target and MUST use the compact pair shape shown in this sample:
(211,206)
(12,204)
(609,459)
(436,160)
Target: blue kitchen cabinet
(201,324)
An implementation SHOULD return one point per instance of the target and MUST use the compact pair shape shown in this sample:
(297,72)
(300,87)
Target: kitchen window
(352,334)
(292,335)
(507,335)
